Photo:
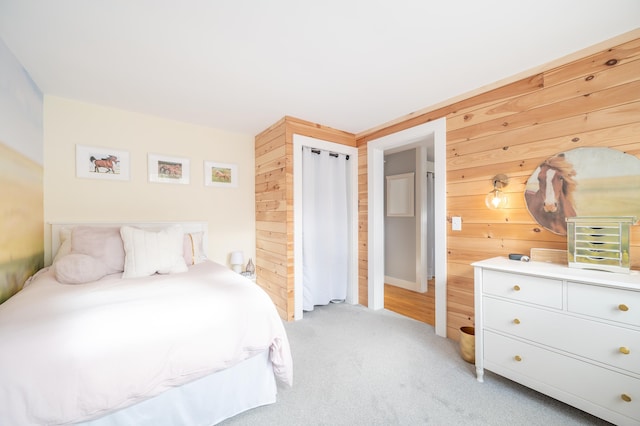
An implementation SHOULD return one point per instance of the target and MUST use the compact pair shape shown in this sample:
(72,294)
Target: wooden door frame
(375,183)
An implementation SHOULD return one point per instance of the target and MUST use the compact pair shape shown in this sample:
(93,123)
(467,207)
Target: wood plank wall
(274,205)
(273,224)
(593,101)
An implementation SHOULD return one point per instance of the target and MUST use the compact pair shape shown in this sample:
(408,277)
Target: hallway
(419,306)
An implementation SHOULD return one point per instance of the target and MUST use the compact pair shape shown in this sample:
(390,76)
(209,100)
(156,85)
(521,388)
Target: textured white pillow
(77,268)
(148,252)
(65,245)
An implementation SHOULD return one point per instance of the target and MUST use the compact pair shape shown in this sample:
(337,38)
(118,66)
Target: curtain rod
(331,154)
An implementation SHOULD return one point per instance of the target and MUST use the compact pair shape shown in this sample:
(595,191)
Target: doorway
(326,194)
(375,179)
(352,283)
(409,236)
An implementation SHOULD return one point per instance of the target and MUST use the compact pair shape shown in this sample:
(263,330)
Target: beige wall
(230,212)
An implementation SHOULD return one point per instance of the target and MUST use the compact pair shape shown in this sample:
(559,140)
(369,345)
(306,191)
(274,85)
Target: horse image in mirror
(553,201)
(105,163)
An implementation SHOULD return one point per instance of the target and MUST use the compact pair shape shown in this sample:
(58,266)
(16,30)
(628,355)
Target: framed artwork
(102,163)
(165,169)
(400,201)
(583,182)
(220,174)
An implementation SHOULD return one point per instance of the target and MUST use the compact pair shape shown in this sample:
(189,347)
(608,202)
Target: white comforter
(72,352)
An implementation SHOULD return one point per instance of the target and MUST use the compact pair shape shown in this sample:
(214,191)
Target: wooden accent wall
(363,225)
(593,101)
(274,205)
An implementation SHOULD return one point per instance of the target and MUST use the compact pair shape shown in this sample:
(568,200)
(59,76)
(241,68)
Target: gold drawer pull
(625,397)
(517,321)
(517,288)
(517,358)
(624,350)
(623,307)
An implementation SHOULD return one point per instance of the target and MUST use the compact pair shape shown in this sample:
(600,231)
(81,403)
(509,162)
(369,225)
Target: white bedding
(73,352)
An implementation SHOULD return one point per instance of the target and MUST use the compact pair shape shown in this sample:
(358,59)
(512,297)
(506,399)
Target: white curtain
(325,237)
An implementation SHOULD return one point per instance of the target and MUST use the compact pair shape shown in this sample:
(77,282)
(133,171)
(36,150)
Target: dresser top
(552,270)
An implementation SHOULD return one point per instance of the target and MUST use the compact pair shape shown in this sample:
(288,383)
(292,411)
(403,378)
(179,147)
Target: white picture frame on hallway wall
(400,195)
(102,163)
(166,169)
(220,174)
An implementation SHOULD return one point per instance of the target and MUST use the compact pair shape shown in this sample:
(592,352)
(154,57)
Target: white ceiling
(241,65)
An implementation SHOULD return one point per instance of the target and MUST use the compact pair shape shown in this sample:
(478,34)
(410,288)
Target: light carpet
(355,366)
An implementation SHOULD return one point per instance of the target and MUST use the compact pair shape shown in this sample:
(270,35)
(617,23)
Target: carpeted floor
(355,366)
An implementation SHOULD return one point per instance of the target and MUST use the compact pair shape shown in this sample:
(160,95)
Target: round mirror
(583,182)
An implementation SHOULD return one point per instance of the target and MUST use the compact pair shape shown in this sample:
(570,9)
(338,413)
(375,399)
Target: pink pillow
(79,269)
(102,243)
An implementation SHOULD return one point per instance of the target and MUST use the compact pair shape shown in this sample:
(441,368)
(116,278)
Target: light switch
(456,223)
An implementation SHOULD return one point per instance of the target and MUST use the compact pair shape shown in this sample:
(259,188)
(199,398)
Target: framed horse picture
(166,169)
(220,174)
(102,163)
(583,182)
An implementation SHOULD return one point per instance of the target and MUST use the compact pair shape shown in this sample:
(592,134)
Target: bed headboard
(187,227)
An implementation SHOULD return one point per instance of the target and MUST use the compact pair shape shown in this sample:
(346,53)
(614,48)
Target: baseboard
(407,285)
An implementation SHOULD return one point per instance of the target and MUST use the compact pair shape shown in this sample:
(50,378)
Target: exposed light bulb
(496,199)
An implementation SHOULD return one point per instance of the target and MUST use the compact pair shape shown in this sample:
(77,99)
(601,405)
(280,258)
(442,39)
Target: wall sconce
(496,199)
(236,261)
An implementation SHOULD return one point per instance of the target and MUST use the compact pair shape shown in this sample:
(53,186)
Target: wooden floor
(419,306)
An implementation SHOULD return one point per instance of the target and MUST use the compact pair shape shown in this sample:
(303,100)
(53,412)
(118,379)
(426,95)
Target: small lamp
(237,260)
(251,268)
(496,199)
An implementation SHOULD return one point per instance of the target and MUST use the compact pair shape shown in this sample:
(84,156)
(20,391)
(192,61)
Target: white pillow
(148,252)
(65,244)
(77,268)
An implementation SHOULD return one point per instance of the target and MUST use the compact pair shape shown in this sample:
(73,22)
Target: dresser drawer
(525,288)
(597,385)
(607,303)
(608,344)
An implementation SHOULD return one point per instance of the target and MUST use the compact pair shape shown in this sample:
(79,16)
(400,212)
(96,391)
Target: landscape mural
(21,213)
(21,174)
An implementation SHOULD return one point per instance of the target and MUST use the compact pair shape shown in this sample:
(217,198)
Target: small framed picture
(220,174)
(400,200)
(165,169)
(102,163)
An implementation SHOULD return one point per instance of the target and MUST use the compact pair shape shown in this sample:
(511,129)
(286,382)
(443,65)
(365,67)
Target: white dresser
(573,334)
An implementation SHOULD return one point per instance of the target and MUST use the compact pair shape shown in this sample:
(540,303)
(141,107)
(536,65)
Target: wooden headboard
(188,227)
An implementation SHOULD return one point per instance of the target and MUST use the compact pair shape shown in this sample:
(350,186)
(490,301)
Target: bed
(131,324)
